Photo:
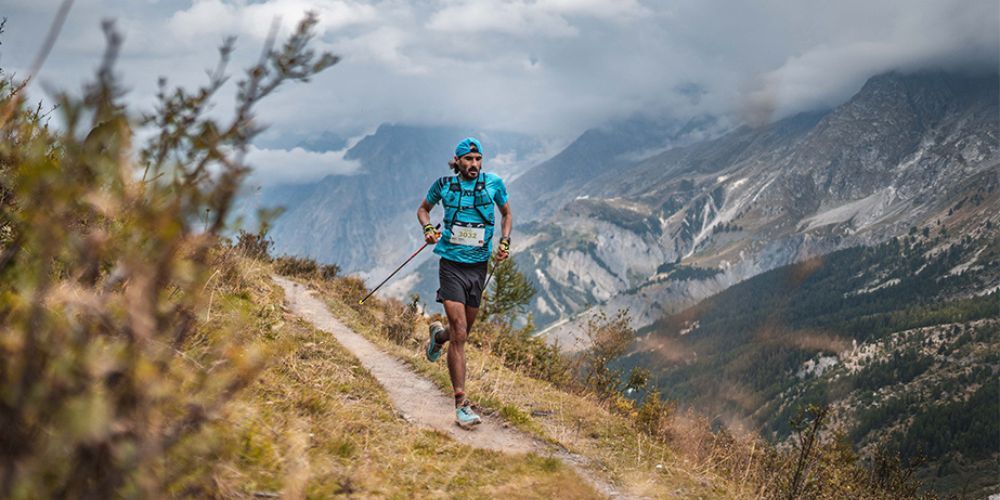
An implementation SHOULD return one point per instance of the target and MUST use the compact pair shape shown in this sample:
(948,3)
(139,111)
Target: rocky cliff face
(614,146)
(897,155)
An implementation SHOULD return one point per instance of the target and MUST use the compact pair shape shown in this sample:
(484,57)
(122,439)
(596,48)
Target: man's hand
(503,249)
(431,235)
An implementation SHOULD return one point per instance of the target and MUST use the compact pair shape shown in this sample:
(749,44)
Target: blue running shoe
(466,418)
(434,349)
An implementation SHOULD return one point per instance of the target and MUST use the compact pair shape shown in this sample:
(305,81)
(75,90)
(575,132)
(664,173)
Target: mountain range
(607,222)
(844,256)
(899,154)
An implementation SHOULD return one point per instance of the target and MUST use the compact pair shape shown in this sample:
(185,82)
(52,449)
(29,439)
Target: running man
(464,246)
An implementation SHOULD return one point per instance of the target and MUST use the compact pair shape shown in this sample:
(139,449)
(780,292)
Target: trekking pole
(362,301)
(490,274)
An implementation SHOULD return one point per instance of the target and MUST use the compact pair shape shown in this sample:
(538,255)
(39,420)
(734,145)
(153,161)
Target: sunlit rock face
(901,153)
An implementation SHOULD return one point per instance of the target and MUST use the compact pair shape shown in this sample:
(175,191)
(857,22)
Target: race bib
(466,234)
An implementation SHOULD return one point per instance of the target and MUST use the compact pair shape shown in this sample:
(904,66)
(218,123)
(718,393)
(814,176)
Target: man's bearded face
(470,165)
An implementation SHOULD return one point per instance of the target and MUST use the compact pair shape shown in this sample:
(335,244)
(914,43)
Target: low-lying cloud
(297,165)
(919,35)
(533,19)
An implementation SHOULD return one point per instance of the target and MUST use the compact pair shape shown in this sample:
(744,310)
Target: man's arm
(506,223)
(424,217)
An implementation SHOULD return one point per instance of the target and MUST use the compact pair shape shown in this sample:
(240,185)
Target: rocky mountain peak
(892,118)
(602,151)
(927,95)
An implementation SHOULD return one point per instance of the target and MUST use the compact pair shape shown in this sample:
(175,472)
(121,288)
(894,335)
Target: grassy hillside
(647,447)
(316,424)
(633,460)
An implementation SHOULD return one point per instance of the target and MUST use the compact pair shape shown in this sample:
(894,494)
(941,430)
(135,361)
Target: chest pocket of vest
(455,200)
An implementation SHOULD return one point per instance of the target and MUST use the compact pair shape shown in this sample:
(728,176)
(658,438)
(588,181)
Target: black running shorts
(461,282)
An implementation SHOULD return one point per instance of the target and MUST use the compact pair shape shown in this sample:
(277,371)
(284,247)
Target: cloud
(500,17)
(217,18)
(296,165)
(385,46)
(549,67)
(926,35)
(547,18)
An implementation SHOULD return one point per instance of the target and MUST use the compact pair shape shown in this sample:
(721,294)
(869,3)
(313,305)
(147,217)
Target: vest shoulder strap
(454,191)
(456,185)
(442,182)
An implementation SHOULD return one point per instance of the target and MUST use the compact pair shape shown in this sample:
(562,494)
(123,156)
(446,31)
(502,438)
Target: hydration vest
(452,195)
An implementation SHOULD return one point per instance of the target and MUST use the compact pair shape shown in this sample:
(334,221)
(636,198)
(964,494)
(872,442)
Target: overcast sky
(546,67)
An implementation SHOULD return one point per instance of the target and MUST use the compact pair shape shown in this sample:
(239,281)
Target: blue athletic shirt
(495,189)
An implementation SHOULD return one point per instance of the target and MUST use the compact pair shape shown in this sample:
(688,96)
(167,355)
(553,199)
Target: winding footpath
(419,401)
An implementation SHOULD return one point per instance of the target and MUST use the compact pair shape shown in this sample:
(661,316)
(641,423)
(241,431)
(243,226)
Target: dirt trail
(418,400)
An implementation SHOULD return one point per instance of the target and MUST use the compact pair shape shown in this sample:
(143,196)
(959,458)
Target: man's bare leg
(460,320)
(470,318)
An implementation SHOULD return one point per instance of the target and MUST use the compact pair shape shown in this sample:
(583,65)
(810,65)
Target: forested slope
(900,339)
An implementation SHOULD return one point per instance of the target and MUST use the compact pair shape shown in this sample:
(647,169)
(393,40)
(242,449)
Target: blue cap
(468,145)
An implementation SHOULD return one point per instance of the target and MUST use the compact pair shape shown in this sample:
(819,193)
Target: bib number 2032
(470,235)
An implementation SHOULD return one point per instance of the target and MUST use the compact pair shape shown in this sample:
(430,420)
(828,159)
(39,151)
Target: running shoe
(434,349)
(465,417)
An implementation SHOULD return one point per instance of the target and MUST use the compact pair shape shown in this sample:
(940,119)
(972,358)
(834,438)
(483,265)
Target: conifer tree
(509,293)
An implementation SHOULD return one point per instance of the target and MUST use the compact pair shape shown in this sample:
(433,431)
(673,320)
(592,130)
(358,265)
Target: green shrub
(508,294)
(301,267)
(228,273)
(398,320)
(514,415)
(254,245)
(521,350)
(328,271)
(353,289)
(296,266)
(653,416)
(821,463)
(608,339)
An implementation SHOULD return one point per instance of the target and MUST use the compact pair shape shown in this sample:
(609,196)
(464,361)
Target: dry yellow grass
(634,462)
(316,424)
